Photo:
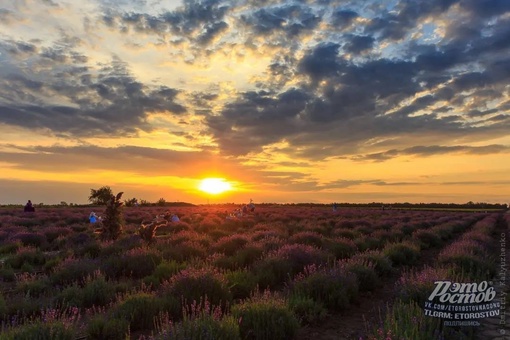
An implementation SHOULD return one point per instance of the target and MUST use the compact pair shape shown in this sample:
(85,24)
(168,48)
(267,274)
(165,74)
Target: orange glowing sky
(288,101)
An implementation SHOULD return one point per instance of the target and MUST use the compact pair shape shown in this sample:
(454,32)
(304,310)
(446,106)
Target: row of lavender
(228,278)
(471,259)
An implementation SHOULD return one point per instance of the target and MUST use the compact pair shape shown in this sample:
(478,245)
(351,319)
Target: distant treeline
(406,205)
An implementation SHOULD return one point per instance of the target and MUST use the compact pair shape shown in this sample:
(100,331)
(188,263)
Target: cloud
(427,151)
(63,94)
(290,20)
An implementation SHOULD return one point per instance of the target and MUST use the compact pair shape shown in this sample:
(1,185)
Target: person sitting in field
(93,218)
(29,207)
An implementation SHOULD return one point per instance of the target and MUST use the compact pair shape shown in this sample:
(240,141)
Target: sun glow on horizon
(214,185)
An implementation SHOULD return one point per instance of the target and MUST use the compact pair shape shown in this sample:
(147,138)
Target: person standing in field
(29,207)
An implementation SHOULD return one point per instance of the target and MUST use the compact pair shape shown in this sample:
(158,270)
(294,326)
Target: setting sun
(214,185)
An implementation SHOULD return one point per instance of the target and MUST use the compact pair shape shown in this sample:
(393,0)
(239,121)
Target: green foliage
(131,202)
(407,321)
(100,196)
(202,325)
(265,317)
(32,257)
(166,269)
(307,310)
(428,238)
(382,263)
(103,327)
(7,274)
(136,263)
(139,310)
(199,285)
(34,288)
(404,253)
(10,248)
(365,273)
(333,287)
(41,331)
(3,306)
(113,222)
(241,282)
(97,292)
(341,248)
(273,272)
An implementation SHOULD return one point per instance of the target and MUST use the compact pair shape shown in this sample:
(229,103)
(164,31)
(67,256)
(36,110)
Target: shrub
(52,233)
(166,269)
(136,263)
(333,287)
(102,327)
(139,310)
(34,288)
(41,330)
(265,317)
(300,255)
(31,256)
(73,270)
(241,282)
(71,296)
(307,237)
(184,251)
(345,233)
(307,310)
(229,245)
(30,239)
(97,292)
(427,238)
(273,272)
(367,242)
(201,323)
(418,285)
(404,253)
(365,273)
(382,263)
(407,321)
(10,248)
(194,284)
(341,248)
(7,274)
(3,306)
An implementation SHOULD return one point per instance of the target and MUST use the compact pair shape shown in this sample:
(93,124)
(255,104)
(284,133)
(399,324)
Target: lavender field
(280,272)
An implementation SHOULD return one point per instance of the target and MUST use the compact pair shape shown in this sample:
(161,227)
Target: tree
(161,202)
(131,202)
(113,222)
(100,196)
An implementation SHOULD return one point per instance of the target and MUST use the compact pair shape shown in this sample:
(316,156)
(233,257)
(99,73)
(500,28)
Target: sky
(289,101)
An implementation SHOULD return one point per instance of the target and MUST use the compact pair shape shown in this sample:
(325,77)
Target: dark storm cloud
(322,61)
(258,119)
(343,17)
(357,44)
(348,102)
(289,19)
(200,21)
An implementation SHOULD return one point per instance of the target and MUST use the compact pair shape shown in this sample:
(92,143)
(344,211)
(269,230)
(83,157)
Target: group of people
(240,212)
